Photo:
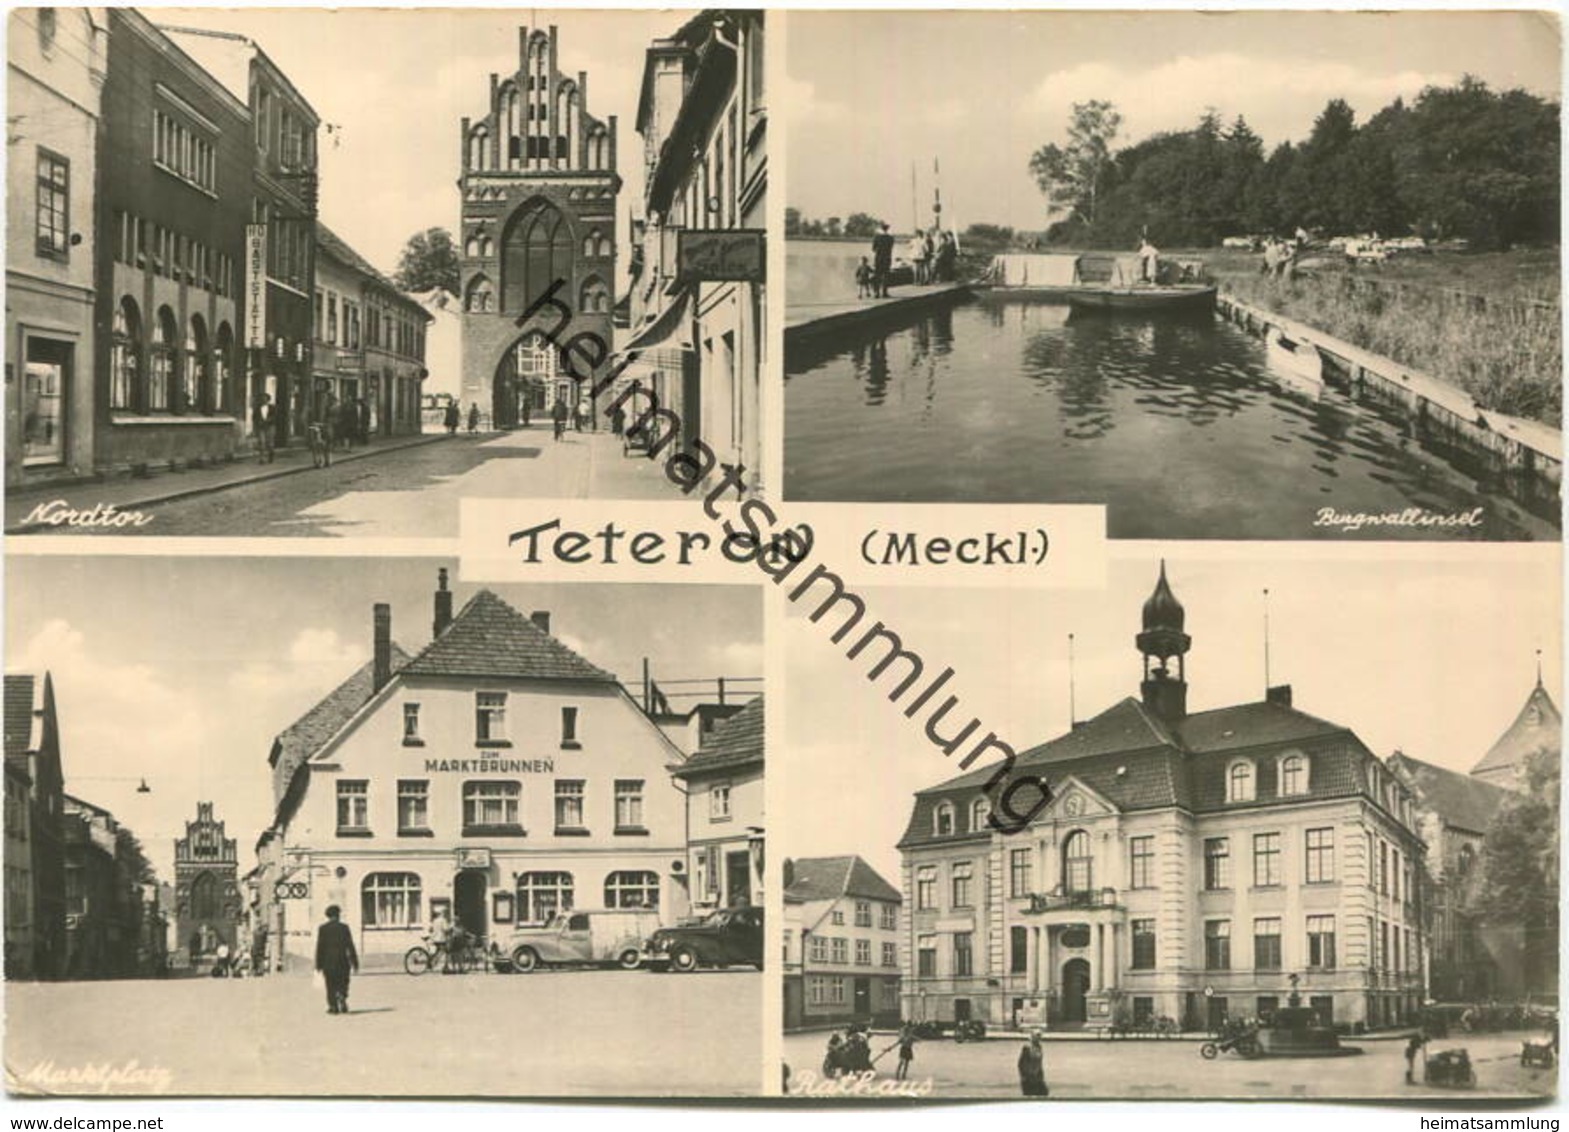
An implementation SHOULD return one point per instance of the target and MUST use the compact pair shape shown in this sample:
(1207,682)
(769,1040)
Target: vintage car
(602,938)
(730,937)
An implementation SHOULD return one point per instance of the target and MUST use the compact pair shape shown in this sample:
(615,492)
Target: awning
(671,330)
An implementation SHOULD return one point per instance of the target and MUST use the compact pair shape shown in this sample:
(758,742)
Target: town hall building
(1189,866)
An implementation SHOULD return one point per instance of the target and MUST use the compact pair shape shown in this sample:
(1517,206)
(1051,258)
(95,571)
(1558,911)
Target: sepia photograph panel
(1235,827)
(251,295)
(1274,275)
(351,827)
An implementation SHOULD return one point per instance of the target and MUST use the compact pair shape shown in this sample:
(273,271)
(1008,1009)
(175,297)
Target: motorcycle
(1243,1041)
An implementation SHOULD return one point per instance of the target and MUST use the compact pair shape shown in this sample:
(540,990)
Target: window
(569,804)
(569,728)
(1076,862)
(837,916)
(926,887)
(1217,862)
(353,806)
(942,820)
(332,318)
(819,949)
(1266,943)
(1143,945)
(863,953)
(1293,775)
(890,954)
(629,805)
(124,353)
(839,950)
(1217,945)
(542,895)
(863,913)
(1321,942)
(491,807)
(1383,868)
(1018,950)
(962,871)
(390,900)
(719,802)
(1382,961)
(817,989)
(413,806)
(54,206)
(1266,859)
(161,355)
(1142,853)
(180,149)
(1265,1006)
(1239,783)
(887,917)
(1143,1009)
(411,726)
(1019,869)
(628,889)
(980,810)
(1394,872)
(490,717)
(926,955)
(536,250)
(1320,856)
(963,953)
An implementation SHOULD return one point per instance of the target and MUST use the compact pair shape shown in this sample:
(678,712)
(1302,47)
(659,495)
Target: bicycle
(459,955)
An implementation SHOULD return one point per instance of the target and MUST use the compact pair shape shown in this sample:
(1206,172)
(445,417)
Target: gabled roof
(734,742)
(1462,801)
(490,638)
(1539,726)
(828,878)
(308,734)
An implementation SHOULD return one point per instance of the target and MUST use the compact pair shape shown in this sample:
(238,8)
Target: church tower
(539,188)
(1165,695)
(206,888)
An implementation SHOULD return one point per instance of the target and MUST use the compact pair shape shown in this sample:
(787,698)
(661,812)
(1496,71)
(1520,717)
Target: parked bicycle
(459,953)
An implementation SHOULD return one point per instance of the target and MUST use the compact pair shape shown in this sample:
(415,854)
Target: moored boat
(1296,362)
(1173,298)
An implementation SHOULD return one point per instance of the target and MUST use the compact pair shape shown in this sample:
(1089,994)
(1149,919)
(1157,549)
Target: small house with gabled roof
(723,781)
(841,944)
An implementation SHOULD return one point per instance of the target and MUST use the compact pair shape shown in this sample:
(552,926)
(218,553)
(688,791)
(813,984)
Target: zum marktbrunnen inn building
(1188,865)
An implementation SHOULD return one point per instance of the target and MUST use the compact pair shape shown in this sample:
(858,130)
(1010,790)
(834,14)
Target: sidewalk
(132,493)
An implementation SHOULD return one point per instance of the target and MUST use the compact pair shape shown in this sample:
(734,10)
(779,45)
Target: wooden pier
(806,322)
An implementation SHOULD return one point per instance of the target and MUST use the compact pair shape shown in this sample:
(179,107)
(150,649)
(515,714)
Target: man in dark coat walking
(335,958)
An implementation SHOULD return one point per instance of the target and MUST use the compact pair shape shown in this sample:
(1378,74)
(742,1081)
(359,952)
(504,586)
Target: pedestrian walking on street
(348,422)
(473,418)
(364,412)
(451,418)
(558,416)
(528,407)
(585,410)
(1413,1047)
(906,1053)
(1032,1069)
(262,428)
(336,959)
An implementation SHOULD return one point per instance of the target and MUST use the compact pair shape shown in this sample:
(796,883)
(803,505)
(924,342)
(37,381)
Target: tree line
(1459,162)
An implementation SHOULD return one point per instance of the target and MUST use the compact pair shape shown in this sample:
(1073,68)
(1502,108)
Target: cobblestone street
(1152,1070)
(571,1033)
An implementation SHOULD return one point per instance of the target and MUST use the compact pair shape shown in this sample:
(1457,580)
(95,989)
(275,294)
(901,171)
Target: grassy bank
(1489,324)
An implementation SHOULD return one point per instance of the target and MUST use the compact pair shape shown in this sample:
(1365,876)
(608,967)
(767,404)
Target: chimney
(541,619)
(443,604)
(1279,694)
(382,670)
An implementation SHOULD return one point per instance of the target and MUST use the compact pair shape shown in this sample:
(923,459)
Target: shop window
(632,889)
(542,895)
(46,373)
(390,900)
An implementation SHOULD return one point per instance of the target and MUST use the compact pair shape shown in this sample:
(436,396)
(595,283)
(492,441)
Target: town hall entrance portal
(1075,985)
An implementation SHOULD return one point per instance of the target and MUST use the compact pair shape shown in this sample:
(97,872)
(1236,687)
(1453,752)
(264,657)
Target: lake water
(1177,426)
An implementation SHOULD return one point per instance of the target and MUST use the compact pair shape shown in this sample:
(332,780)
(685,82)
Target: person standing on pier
(882,261)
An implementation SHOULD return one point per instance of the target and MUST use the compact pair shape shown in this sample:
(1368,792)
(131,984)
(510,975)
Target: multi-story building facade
(276,272)
(697,299)
(370,340)
(723,781)
(841,944)
(208,904)
(1186,866)
(56,62)
(495,777)
(539,189)
(174,195)
(32,745)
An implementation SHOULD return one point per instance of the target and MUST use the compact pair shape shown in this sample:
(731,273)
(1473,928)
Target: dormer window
(980,810)
(1293,775)
(942,820)
(1239,782)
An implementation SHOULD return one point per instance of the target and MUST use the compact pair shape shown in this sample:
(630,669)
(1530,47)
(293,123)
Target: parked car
(731,937)
(611,937)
